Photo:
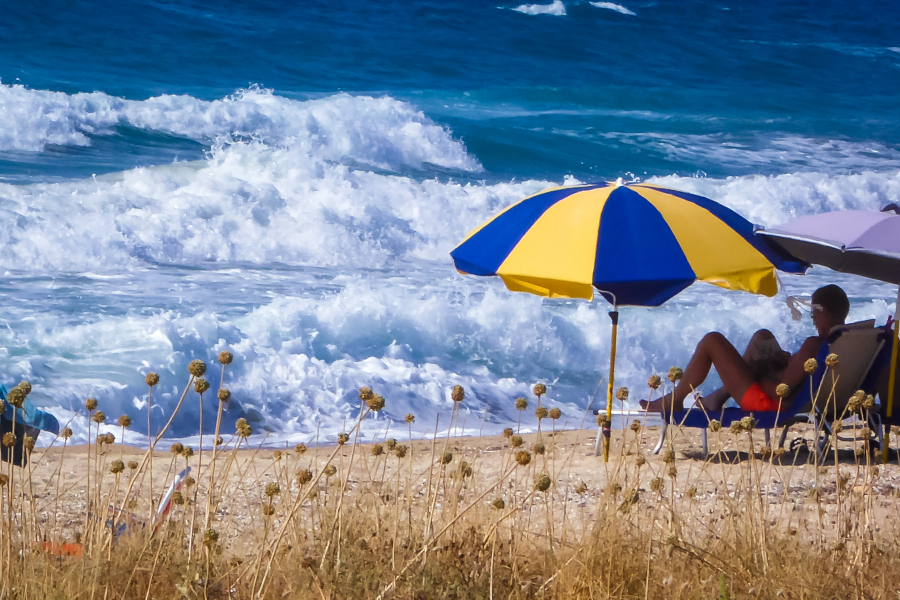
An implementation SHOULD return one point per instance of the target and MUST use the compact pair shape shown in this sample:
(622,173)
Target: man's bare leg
(717,399)
(713,350)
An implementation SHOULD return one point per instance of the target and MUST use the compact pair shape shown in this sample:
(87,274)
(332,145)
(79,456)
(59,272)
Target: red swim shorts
(756,400)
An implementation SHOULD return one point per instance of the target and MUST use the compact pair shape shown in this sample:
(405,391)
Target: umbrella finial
(619,182)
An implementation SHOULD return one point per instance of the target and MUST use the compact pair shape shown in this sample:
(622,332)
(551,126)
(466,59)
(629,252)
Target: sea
(285,180)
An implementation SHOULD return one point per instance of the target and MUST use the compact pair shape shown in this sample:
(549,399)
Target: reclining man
(751,379)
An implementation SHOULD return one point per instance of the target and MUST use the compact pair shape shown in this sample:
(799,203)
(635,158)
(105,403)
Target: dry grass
(456,518)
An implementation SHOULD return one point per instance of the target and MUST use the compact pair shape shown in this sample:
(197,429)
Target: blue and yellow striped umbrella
(636,244)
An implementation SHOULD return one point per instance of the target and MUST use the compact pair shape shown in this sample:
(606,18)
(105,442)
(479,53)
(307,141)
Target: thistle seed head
(400,451)
(516,441)
(16,397)
(99,417)
(748,424)
(124,421)
(675,374)
(66,433)
(110,439)
(539,389)
(465,470)
(4,479)
(654,382)
(133,465)
(300,449)
(622,394)
(673,471)
(376,403)
(541,412)
(25,386)
(210,537)
(581,489)
(669,457)
(555,413)
(330,471)
(640,460)
(187,452)
(366,393)
(498,503)
(458,394)
(219,441)
(691,493)
(409,418)
(152,379)
(272,489)
(343,438)
(225,357)
(28,443)
(446,457)
(245,432)
(268,510)
(201,385)
(837,427)
(521,403)
(240,424)
(523,457)
(377,450)
(869,402)
(277,455)
(391,444)
(304,476)
(177,498)
(542,483)
(715,425)
(117,467)
(508,432)
(783,390)
(224,395)
(831,361)
(176,448)
(538,448)
(736,427)
(90,404)
(810,366)
(656,484)
(635,426)
(603,419)
(197,368)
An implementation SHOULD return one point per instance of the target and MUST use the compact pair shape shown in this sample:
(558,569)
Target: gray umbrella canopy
(858,242)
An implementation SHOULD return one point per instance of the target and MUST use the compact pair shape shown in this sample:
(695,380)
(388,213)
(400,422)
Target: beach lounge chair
(857,346)
(29,420)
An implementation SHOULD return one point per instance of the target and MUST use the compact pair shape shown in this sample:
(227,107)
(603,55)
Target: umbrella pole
(891,382)
(614,316)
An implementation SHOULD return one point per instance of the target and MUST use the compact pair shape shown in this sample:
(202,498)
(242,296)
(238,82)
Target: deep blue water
(285,179)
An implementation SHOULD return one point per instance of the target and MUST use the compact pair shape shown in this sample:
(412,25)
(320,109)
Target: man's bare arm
(794,374)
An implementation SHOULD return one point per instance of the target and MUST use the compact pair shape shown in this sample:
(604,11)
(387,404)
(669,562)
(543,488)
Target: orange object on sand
(58,549)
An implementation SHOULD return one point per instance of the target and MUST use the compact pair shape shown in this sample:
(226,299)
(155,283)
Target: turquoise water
(286,180)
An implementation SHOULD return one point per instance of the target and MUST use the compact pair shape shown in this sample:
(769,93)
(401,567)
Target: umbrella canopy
(858,242)
(637,244)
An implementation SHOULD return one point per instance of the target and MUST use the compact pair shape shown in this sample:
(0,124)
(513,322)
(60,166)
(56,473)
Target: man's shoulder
(810,347)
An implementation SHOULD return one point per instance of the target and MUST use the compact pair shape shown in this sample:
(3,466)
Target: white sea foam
(765,153)
(555,8)
(335,276)
(613,6)
(382,132)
